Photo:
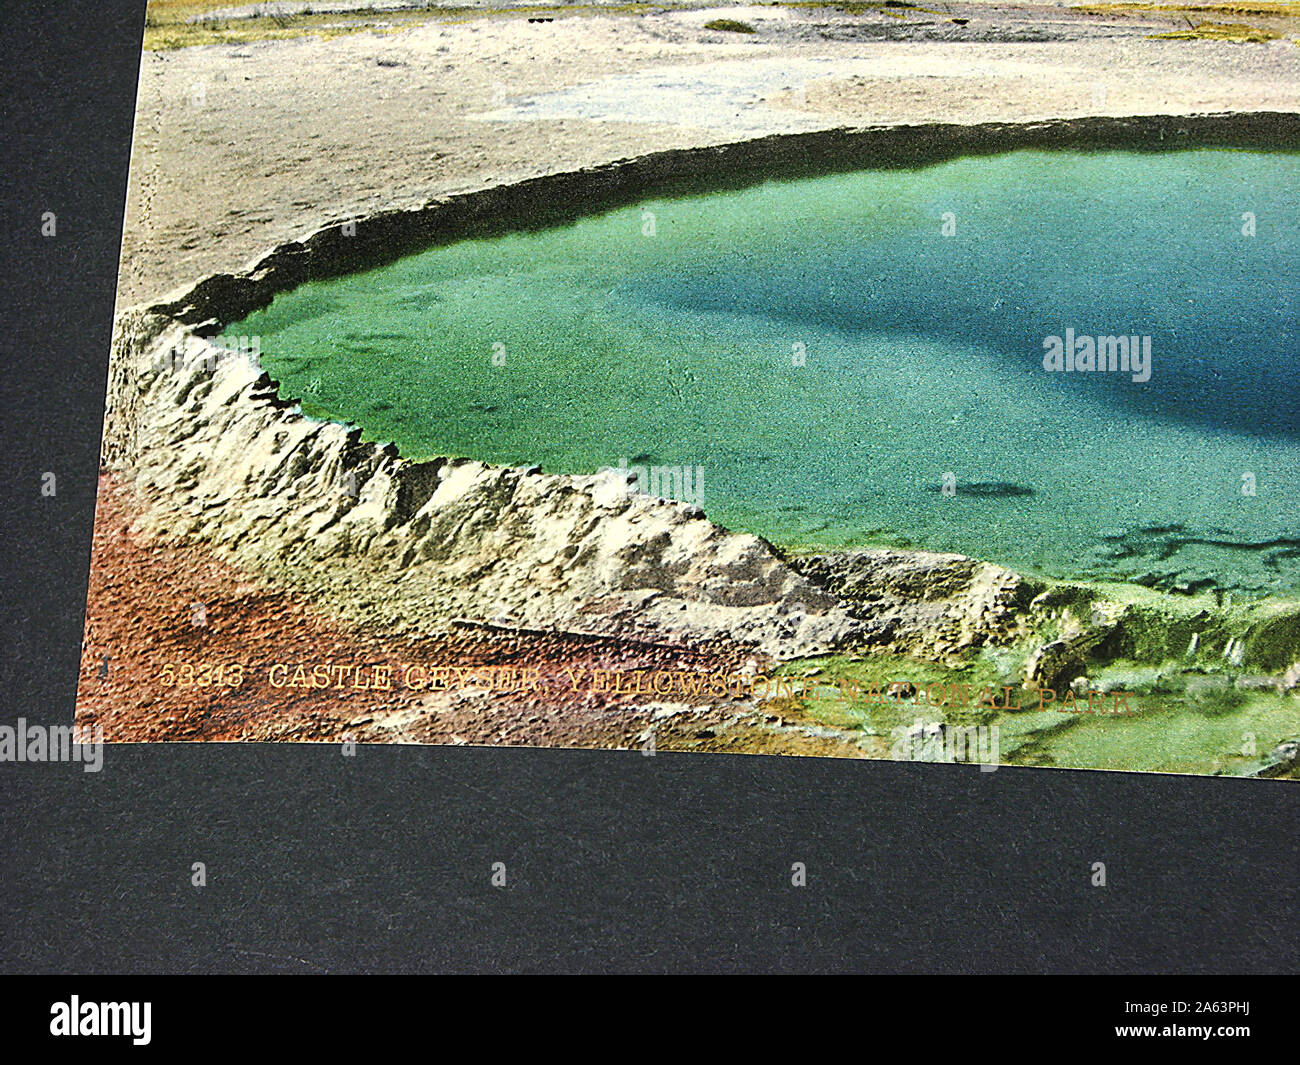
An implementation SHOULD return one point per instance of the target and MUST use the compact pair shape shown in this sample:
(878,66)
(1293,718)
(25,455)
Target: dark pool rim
(350,246)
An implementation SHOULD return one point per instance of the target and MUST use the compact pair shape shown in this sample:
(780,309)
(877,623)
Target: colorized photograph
(882,380)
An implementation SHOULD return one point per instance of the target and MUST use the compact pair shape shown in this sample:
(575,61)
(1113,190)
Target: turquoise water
(670,334)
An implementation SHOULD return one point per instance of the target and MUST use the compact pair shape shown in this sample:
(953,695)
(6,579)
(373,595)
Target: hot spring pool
(821,357)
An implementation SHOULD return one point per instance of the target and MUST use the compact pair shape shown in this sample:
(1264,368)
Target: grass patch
(168,26)
(1219,31)
(1178,722)
(1273,10)
(854,692)
(1206,29)
(729,25)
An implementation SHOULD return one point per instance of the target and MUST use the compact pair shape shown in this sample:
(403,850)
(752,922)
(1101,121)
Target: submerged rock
(987,489)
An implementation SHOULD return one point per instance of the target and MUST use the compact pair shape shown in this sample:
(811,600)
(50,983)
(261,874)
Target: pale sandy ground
(238,148)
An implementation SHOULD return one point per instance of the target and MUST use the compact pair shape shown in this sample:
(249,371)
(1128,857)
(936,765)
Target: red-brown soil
(142,619)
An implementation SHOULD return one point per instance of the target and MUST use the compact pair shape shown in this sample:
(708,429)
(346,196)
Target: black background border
(616,862)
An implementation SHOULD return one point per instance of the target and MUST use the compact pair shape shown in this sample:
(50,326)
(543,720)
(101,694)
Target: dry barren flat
(181,646)
(241,146)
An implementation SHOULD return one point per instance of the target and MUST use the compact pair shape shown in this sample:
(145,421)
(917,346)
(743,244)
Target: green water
(671,334)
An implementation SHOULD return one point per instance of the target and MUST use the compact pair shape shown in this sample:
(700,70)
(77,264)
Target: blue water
(830,351)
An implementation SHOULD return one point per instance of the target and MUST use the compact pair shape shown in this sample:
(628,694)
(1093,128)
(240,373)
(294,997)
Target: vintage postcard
(878,380)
